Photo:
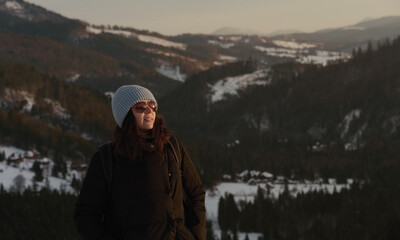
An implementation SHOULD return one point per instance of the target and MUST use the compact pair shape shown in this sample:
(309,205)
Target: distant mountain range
(247,32)
(121,55)
(367,30)
(235,31)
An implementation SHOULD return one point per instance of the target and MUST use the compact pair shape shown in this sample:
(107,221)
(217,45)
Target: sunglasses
(141,107)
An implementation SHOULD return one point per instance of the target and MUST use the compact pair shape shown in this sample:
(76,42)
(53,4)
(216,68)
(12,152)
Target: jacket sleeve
(196,193)
(91,204)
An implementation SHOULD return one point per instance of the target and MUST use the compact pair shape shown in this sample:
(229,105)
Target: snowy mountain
(124,55)
(30,12)
(349,36)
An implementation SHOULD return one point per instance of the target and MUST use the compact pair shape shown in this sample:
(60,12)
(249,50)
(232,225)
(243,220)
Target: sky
(173,17)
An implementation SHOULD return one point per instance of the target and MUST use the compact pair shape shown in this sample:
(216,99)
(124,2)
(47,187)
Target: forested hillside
(305,122)
(51,115)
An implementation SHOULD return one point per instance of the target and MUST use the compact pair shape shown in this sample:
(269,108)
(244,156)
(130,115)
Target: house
(31,154)
(280,180)
(15,159)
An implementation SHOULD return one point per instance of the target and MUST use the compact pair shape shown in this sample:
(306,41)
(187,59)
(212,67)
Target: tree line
(368,210)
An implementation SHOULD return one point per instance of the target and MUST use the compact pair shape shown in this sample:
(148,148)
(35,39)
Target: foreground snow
(8,173)
(246,192)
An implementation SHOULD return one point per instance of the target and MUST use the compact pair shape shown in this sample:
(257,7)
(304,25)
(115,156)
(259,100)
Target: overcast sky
(173,17)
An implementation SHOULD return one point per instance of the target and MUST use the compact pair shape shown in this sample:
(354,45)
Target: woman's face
(145,114)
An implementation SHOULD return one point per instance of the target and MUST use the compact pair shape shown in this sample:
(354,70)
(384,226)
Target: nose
(148,110)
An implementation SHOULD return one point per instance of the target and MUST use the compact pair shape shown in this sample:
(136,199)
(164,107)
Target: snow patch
(58,110)
(169,54)
(87,136)
(109,94)
(345,124)
(13,5)
(161,42)
(278,52)
(8,150)
(304,56)
(122,33)
(172,72)
(223,45)
(73,77)
(293,44)
(140,37)
(231,85)
(246,192)
(227,58)
(235,38)
(13,96)
(393,124)
(323,57)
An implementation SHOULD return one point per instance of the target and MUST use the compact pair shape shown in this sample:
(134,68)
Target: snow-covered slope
(140,37)
(231,85)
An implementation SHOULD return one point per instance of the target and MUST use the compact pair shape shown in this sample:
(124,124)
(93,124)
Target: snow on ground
(15,96)
(109,94)
(122,33)
(30,101)
(8,150)
(278,52)
(293,44)
(223,45)
(73,77)
(323,57)
(172,72)
(231,85)
(169,54)
(227,58)
(9,173)
(246,192)
(13,5)
(58,110)
(303,55)
(345,124)
(140,37)
(235,38)
(161,42)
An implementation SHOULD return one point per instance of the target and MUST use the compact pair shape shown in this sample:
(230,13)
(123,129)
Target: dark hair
(129,142)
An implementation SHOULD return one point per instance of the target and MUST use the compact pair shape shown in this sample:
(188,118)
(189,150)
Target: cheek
(138,118)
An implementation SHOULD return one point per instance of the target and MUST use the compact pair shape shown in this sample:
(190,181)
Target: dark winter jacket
(145,200)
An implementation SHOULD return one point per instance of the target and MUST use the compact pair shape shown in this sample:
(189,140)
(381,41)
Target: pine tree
(210,231)
(19,183)
(38,172)
(2,156)
(76,184)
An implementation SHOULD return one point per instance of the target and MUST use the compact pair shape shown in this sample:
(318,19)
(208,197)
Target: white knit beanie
(125,97)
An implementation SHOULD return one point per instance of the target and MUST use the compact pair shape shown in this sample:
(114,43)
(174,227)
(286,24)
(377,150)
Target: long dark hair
(128,141)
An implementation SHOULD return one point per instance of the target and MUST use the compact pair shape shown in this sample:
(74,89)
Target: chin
(148,127)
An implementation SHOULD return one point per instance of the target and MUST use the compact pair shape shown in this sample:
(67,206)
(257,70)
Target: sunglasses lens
(140,109)
(142,106)
(152,105)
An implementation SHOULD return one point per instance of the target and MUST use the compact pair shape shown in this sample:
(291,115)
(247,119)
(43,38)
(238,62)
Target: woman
(144,200)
